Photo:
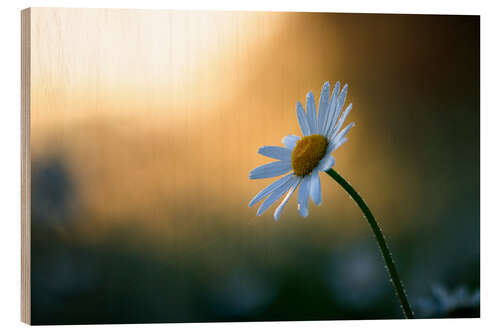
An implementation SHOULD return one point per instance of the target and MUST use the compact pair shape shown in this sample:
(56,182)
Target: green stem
(380,240)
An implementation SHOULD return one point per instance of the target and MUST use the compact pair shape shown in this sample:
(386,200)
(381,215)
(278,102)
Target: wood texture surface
(25,165)
(140,127)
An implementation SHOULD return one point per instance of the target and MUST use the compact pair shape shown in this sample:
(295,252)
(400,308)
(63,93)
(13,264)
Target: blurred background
(145,125)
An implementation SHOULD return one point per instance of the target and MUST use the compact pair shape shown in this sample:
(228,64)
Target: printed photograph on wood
(145,131)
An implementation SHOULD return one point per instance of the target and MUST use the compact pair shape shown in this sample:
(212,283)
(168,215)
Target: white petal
(331,147)
(331,110)
(266,191)
(339,124)
(323,106)
(335,144)
(326,163)
(278,210)
(272,169)
(338,108)
(290,141)
(343,133)
(303,122)
(329,118)
(339,143)
(315,187)
(311,112)
(278,153)
(335,92)
(275,195)
(303,196)
(341,100)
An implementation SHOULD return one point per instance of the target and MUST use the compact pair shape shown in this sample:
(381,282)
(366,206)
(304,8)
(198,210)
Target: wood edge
(25,166)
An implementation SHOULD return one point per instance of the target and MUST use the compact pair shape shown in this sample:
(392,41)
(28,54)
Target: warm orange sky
(156,112)
(139,63)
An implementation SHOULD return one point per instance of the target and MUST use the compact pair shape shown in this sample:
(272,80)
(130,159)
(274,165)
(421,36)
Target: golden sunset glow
(156,111)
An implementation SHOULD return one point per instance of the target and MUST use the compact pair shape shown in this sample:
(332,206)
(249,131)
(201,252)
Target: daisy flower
(304,156)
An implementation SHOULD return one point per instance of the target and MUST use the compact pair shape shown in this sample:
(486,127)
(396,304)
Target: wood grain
(25,165)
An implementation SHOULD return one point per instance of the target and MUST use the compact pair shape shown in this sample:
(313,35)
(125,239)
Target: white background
(490,119)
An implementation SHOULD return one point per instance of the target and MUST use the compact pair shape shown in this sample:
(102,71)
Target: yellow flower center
(307,154)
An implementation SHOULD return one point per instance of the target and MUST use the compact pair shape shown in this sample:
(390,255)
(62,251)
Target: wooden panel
(25,165)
